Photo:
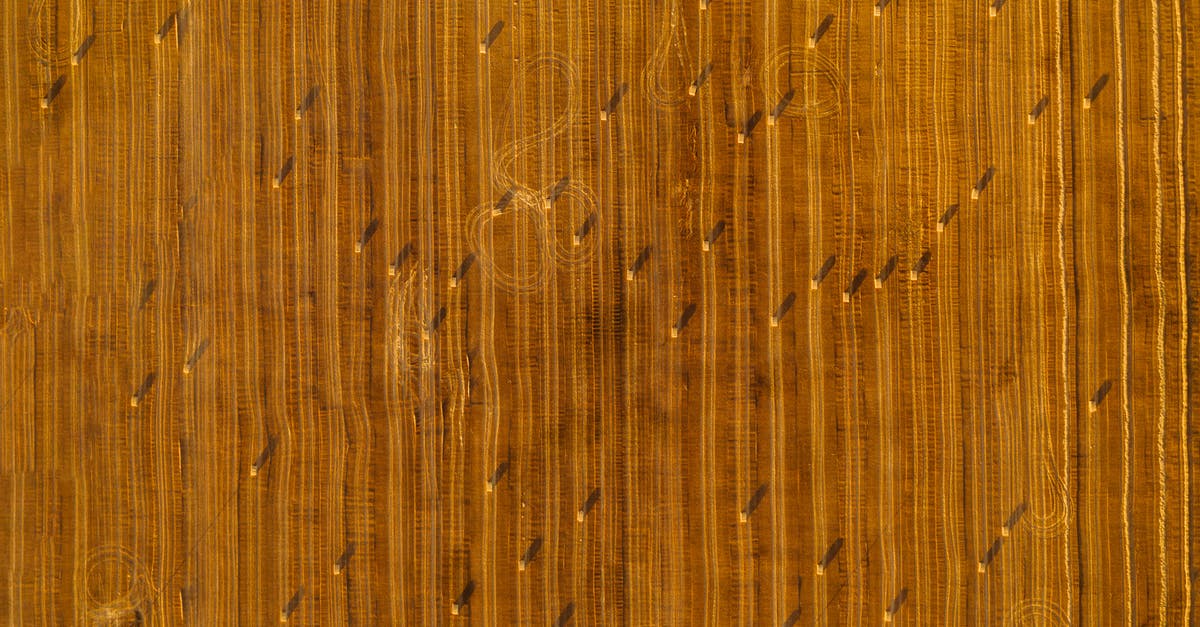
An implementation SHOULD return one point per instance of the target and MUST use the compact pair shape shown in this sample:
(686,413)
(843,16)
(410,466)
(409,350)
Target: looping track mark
(47,40)
(819,87)
(1036,612)
(115,566)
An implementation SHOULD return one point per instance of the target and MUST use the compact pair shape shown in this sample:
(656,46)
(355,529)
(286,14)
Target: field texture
(631,312)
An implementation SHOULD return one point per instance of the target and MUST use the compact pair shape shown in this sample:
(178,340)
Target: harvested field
(645,312)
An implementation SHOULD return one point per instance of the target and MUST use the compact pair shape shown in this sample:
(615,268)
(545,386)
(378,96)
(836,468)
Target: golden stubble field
(627,313)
